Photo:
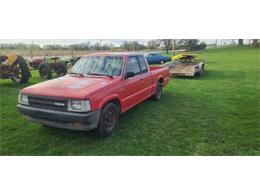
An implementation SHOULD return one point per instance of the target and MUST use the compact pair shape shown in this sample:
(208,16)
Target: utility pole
(133,46)
(173,46)
(100,44)
(31,50)
(72,53)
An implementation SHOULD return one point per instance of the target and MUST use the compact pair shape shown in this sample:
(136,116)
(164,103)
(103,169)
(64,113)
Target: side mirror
(129,75)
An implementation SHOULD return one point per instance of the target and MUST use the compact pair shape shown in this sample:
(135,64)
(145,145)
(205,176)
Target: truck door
(145,77)
(135,90)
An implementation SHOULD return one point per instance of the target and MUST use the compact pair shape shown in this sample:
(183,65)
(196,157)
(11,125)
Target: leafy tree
(132,45)
(97,46)
(202,45)
(81,46)
(152,44)
(126,45)
(240,42)
(19,46)
(54,47)
(192,44)
(256,43)
(167,44)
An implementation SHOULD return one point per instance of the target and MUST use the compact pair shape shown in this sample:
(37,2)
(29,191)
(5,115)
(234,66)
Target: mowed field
(218,114)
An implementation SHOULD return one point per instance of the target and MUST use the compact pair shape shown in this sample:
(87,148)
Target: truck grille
(49,103)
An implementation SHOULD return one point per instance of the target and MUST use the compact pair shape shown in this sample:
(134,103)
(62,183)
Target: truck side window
(133,65)
(142,64)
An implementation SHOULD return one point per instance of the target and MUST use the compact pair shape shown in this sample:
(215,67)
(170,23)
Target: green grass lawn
(218,114)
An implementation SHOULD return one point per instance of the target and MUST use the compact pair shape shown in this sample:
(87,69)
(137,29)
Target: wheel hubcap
(17,76)
(109,119)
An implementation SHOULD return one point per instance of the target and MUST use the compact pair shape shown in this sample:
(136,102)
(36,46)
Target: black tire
(45,71)
(158,94)
(201,72)
(24,72)
(108,120)
(61,71)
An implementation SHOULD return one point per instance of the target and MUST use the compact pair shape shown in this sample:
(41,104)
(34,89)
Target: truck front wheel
(158,94)
(108,120)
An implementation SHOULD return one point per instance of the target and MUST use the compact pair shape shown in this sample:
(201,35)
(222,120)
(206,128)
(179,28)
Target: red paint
(100,89)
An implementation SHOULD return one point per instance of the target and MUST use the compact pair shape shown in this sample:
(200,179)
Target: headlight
(79,105)
(23,99)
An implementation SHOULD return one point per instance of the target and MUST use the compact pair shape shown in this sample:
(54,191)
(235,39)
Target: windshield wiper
(98,74)
(75,73)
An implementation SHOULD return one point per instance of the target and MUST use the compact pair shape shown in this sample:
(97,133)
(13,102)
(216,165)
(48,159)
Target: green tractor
(14,67)
(55,65)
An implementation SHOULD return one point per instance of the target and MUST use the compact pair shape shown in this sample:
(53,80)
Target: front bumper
(59,119)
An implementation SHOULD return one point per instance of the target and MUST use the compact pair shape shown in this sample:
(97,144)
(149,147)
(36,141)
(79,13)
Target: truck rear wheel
(108,120)
(158,94)
(45,71)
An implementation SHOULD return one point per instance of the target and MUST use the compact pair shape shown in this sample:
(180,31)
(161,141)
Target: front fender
(107,99)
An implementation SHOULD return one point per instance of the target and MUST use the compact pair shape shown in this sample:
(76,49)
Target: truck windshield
(99,65)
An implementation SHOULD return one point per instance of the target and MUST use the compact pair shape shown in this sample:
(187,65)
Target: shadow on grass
(214,75)
(148,123)
(66,133)
(223,75)
(141,110)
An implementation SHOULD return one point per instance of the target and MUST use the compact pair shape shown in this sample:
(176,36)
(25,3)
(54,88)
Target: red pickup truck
(94,93)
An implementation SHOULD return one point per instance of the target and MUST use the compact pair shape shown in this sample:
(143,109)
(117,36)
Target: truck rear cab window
(142,64)
(133,65)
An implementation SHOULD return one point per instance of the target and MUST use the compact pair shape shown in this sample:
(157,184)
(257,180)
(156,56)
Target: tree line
(189,44)
(166,44)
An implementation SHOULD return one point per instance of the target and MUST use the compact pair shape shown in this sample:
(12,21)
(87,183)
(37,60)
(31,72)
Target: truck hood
(71,87)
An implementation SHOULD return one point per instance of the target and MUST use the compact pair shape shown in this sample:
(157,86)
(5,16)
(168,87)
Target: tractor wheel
(62,70)
(23,74)
(45,71)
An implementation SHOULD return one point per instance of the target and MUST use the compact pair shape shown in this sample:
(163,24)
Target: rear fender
(159,78)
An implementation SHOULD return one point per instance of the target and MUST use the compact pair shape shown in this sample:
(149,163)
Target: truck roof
(114,54)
